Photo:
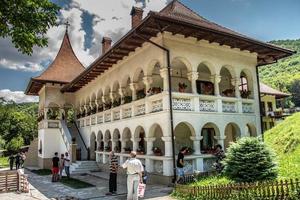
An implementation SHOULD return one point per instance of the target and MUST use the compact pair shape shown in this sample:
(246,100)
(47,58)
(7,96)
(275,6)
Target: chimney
(136,16)
(106,44)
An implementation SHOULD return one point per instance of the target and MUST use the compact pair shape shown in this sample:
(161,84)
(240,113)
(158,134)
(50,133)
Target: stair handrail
(66,133)
(81,137)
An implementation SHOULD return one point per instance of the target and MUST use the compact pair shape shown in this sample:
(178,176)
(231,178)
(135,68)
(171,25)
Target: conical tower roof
(64,68)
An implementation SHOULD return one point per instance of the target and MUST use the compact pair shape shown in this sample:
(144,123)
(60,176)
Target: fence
(13,181)
(260,190)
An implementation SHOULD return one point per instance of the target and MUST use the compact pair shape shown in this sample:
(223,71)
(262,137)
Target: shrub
(249,160)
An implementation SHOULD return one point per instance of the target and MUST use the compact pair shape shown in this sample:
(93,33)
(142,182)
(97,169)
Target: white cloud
(27,67)
(112,19)
(17,96)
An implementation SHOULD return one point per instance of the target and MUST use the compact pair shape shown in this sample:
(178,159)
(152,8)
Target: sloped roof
(64,68)
(176,18)
(265,89)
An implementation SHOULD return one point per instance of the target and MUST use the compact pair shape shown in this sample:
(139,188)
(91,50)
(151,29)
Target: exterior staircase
(80,167)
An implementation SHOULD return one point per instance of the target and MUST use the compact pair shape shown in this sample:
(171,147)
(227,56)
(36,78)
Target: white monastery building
(173,74)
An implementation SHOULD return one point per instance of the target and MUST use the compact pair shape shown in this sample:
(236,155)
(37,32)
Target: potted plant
(157,151)
(182,87)
(189,151)
(245,93)
(116,103)
(140,94)
(140,151)
(107,148)
(127,99)
(127,149)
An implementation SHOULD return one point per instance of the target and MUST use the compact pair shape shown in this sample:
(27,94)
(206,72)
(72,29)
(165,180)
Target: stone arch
(116,94)
(251,130)
(93,103)
(100,141)
(126,138)
(183,132)
(232,133)
(226,85)
(93,146)
(157,82)
(138,80)
(246,84)
(127,92)
(151,66)
(139,136)
(107,140)
(116,139)
(53,111)
(210,133)
(180,80)
(156,132)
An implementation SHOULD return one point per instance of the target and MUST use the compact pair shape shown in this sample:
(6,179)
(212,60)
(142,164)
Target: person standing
(61,165)
(18,160)
(67,163)
(180,164)
(55,169)
(113,167)
(134,175)
(11,159)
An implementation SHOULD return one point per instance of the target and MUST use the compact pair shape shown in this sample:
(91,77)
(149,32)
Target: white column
(46,113)
(135,142)
(196,144)
(123,144)
(133,87)
(150,144)
(147,80)
(193,77)
(217,80)
(112,98)
(236,82)
(221,140)
(164,75)
(168,145)
(121,92)
(104,101)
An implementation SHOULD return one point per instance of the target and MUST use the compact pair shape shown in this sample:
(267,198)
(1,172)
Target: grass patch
(284,139)
(212,180)
(75,183)
(4,162)
(42,172)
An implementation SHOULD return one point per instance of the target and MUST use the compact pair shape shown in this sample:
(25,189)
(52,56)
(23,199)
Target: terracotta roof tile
(265,89)
(65,66)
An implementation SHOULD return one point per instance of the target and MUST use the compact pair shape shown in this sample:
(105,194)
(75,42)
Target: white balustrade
(184,104)
(141,109)
(88,121)
(117,115)
(207,105)
(247,108)
(127,113)
(229,107)
(99,119)
(107,117)
(93,120)
(157,105)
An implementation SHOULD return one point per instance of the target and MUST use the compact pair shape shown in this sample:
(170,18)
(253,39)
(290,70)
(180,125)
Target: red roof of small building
(265,89)
(64,68)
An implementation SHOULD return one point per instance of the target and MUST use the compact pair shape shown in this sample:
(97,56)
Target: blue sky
(91,19)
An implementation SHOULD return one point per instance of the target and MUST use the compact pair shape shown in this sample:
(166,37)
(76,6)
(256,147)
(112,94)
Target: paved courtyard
(42,188)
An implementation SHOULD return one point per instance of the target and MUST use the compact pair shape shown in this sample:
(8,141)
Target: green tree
(249,160)
(26,22)
(295,90)
(15,144)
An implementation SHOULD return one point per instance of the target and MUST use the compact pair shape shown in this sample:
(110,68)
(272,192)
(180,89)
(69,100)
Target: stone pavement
(42,188)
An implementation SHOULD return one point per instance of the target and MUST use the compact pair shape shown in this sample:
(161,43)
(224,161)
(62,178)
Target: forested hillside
(284,138)
(284,75)
(18,124)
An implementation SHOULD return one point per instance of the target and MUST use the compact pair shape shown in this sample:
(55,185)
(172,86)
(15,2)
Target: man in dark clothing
(113,167)
(180,163)
(55,168)
(11,159)
(18,161)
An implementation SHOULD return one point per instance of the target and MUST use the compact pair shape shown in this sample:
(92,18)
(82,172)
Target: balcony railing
(180,102)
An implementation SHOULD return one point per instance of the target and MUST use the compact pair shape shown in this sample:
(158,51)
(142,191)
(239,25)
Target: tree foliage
(17,121)
(283,74)
(249,160)
(26,22)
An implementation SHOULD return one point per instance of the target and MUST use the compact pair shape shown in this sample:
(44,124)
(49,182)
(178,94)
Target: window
(244,84)
(270,106)
(208,141)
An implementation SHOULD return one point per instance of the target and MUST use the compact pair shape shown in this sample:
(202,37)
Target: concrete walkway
(42,188)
